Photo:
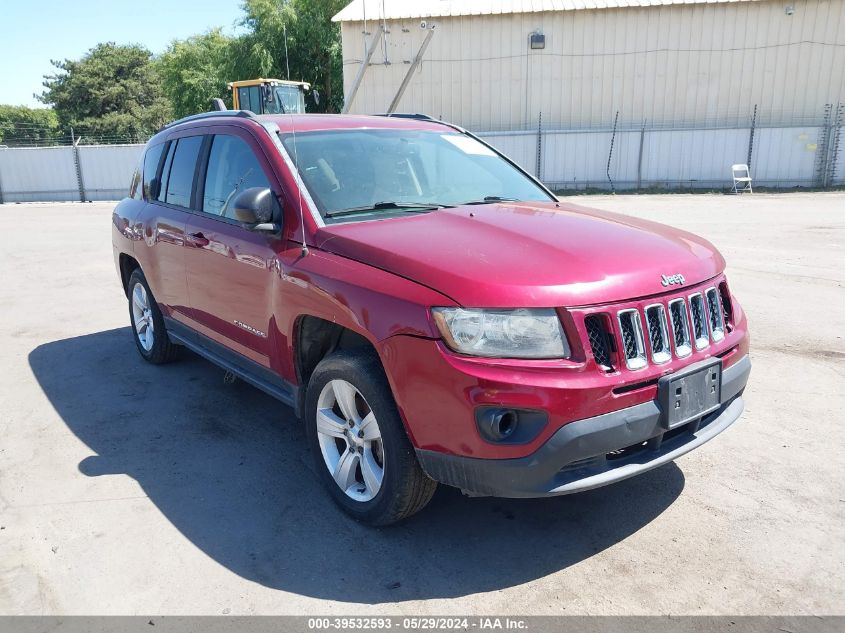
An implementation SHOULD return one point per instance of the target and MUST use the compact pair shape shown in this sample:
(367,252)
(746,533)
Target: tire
(147,323)
(403,489)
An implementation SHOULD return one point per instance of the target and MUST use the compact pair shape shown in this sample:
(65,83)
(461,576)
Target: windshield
(367,174)
(286,100)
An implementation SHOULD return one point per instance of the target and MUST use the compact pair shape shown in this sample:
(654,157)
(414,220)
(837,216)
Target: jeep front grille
(717,318)
(632,338)
(670,328)
(658,333)
(699,321)
(680,327)
(600,341)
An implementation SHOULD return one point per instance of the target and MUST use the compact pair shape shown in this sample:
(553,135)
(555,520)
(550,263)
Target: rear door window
(181,179)
(232,168)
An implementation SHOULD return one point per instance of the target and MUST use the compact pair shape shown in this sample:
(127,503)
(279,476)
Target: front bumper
(593,452)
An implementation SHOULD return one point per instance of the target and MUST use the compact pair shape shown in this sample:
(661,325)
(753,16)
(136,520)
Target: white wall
(782,157)
(694,158)
(38,174)
(107,169)
(49,173)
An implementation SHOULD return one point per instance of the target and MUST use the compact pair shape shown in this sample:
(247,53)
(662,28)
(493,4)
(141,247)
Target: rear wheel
(147,322)
(359,444)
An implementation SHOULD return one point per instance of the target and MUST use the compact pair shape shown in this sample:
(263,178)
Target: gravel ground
(130,489)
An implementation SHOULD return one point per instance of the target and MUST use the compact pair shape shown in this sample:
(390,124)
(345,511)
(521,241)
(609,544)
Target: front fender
(368,301)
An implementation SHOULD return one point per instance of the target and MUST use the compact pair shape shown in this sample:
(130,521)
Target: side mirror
(257,206)
(315,94)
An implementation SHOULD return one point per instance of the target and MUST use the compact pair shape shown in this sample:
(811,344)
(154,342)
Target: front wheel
(147,322)
(359,444)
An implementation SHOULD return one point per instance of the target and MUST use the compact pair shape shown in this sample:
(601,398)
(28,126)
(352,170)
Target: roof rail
(246,114)
(410,115)
(425,117)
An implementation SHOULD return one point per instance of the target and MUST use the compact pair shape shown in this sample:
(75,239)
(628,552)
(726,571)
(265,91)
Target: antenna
(299,185)
(285,35)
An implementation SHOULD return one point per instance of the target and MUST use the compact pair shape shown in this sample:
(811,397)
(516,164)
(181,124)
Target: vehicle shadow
(230,468)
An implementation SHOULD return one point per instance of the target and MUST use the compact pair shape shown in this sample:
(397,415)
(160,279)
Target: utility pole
(287,62)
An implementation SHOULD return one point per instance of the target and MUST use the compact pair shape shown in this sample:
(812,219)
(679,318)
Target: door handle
(197,239)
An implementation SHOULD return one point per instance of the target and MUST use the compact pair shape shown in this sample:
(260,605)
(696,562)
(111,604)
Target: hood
(533,254)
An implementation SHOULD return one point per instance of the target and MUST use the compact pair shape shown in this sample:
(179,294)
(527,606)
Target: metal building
(730,68)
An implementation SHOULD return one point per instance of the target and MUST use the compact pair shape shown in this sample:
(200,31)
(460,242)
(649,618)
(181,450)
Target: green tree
(313,44)
(196,70)
(20,125)
(113,93)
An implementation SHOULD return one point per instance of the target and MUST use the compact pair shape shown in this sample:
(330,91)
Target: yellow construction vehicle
(269,96)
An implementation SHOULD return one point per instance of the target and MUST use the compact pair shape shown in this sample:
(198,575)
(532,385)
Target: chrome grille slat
(680,327)
(631,328)
(658,334)
(699,321)
(715,314)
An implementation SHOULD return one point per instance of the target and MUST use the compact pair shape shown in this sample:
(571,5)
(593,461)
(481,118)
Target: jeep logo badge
(671,280)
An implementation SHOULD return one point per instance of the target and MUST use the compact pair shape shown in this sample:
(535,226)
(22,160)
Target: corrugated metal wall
(50,173)
(663,64)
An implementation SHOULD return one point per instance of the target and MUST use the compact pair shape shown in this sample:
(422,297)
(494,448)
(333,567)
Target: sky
(32,32)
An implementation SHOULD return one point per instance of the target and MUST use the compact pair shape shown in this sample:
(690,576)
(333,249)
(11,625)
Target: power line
(648,51)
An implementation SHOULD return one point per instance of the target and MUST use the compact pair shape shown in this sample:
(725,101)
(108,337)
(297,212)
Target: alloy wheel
(142,317)
(350,440)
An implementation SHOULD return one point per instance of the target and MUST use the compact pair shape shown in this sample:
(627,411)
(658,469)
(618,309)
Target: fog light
(509,426)
(502,423)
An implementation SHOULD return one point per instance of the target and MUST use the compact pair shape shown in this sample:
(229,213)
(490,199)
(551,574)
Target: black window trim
(161,181)
(199,174)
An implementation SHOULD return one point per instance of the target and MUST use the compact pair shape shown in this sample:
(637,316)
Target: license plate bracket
(690,393)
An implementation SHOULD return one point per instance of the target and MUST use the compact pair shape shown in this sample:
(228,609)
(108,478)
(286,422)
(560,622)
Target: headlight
(519,333)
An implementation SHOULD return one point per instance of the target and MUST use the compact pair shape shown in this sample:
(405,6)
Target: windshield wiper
(389,205)
(489,200)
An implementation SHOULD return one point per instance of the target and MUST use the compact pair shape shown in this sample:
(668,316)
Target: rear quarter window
(152,158)
(134,186)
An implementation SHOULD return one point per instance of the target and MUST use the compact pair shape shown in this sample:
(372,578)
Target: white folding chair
(742,178)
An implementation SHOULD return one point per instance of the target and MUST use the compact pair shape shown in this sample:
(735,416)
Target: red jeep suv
(431,311)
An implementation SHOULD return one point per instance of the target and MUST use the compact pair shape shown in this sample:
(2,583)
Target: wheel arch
(315,338)
(127,265)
